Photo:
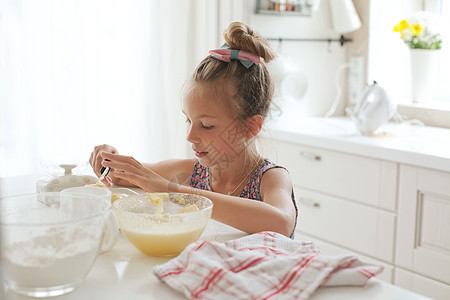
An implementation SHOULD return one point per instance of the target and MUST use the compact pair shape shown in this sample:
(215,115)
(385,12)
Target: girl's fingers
(107,181)
(93,160)
(120,162)
(129,169)
(94,164)
(120,166)
(98,165)
(140,180)
(116,157)
(130,177)
(96,158)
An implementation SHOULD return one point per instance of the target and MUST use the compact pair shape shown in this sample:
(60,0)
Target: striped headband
(226,54)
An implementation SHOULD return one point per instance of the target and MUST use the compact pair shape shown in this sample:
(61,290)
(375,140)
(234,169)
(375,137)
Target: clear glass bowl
(165,228)
(50,241)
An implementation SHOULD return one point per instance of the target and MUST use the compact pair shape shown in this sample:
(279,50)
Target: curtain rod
(342,40)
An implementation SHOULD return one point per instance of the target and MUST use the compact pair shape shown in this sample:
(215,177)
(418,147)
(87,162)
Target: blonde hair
(253,87)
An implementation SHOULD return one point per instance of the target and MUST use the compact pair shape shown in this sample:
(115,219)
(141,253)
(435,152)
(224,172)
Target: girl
(225,103)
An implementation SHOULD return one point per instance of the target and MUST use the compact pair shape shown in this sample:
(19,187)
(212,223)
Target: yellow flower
(415,29)
(418,36)
(400,26)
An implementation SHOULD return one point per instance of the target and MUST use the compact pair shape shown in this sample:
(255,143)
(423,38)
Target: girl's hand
(129,169)
(96,160)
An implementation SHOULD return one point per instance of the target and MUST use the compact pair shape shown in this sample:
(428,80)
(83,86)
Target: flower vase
(424,68)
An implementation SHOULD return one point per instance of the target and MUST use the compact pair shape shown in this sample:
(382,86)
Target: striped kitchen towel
(265,265)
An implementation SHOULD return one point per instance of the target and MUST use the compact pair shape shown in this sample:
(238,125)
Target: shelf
(283,13)
(283,8)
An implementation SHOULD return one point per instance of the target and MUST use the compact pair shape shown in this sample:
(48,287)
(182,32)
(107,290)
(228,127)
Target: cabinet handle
(309,202)
(310,155)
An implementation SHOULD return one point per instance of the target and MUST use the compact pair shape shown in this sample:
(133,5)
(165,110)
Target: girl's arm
(275,213)
(175,170)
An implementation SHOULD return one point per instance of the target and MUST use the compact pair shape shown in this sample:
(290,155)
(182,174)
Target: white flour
(60,256)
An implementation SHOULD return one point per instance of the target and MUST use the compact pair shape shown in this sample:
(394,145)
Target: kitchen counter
(427,147)
(125,273)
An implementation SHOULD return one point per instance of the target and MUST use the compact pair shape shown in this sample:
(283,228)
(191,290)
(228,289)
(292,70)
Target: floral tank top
(200,180)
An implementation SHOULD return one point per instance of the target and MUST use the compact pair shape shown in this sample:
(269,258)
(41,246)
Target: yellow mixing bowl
(162,224)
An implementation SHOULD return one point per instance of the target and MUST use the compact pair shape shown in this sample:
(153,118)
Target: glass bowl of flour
(50,241)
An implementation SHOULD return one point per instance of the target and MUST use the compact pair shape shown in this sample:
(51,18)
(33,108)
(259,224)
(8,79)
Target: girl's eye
(207,127)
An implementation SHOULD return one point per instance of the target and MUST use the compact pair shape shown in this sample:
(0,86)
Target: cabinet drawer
(352,225)
(330,249)
(361,179)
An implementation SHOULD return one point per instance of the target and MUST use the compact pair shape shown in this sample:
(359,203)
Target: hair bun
(241,37)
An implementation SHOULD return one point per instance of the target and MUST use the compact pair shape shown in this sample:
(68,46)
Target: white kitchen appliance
(374,109)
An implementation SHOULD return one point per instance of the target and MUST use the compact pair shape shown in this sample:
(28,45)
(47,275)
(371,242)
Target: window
(389,59)
(442,88)
(74,74)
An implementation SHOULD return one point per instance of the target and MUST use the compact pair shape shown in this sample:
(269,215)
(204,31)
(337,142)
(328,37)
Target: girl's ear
(254,125)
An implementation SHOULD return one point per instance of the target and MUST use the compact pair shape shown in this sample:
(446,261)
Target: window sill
(433,113)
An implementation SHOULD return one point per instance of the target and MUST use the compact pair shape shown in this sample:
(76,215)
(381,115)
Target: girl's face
(216,134)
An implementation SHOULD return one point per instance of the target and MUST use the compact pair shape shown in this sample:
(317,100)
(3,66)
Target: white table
(125,273)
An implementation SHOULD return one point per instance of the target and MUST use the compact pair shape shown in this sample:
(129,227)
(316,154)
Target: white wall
(317,59)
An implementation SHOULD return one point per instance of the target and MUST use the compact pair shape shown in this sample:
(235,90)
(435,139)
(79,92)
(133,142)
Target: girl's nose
(191,135)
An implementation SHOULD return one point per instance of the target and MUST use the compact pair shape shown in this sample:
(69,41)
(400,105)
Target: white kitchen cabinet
(387,201)
(346,202)
(421,284)
(423,235)
(359,227)
(352,177)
